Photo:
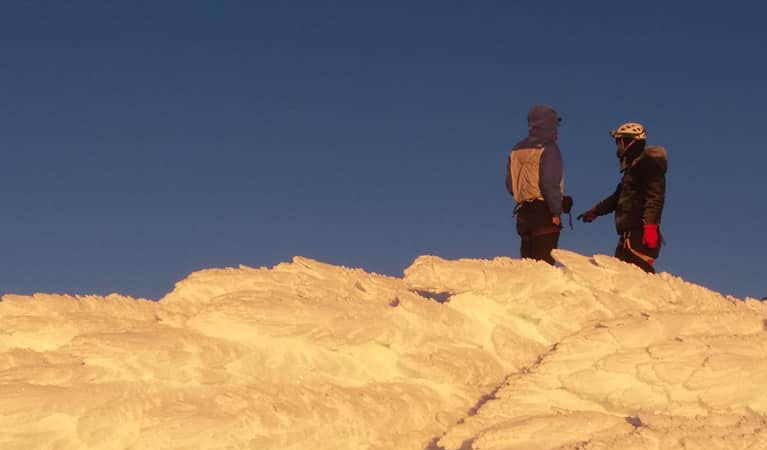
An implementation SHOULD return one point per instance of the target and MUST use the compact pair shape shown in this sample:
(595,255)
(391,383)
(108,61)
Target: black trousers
(624,254)
(539,247)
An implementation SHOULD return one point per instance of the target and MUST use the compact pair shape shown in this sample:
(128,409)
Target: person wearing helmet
(534,178)
(638,199)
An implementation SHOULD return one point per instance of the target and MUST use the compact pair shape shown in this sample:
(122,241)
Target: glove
(588,216)
(650,236)
(567,204)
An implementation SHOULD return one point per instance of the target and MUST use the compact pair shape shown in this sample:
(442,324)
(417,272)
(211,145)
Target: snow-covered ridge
(305,355)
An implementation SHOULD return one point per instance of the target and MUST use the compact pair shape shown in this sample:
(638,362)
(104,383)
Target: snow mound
(490,354)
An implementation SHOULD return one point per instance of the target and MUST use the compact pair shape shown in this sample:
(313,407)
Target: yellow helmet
(630,130)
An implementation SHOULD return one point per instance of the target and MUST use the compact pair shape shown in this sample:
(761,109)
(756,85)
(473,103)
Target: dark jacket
(639,197)
(543,200)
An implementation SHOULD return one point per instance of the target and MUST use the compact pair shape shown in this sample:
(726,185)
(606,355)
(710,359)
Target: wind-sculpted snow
(594,354)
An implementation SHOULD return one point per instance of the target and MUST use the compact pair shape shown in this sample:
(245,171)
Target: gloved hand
(588,216)
(567,204)
(650,236)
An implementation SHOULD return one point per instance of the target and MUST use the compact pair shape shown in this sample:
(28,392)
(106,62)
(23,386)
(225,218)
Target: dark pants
(625,254)
(539,247)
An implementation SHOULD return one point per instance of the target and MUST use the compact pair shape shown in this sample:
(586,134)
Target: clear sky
(143,140)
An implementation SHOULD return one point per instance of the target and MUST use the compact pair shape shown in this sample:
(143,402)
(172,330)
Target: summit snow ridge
(593,353)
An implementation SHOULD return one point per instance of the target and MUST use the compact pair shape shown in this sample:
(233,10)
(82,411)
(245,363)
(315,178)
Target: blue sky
(142,141)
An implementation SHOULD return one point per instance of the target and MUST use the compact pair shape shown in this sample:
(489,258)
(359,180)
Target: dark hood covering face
(542,122)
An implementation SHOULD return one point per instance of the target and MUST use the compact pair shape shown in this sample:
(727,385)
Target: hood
(542,122)
(655,153)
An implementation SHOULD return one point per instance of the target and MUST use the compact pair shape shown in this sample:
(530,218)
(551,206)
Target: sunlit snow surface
(591,355)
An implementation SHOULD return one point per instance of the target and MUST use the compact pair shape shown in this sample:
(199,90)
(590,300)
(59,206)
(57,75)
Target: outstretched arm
(609,204)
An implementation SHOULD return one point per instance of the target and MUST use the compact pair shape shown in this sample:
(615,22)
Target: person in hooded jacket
(638,200)
(534,177)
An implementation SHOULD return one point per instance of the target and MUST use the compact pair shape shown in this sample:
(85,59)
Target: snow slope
(591,355)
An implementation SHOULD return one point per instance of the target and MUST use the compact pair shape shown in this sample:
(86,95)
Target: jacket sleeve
(655,195)
(550,179)
(509,185)
(609,204)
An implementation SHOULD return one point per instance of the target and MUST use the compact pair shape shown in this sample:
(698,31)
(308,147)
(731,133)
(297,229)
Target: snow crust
(457,355)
